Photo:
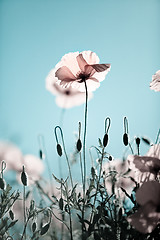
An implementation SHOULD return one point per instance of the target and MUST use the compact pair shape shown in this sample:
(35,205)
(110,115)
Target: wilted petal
(101,67)
(64,74)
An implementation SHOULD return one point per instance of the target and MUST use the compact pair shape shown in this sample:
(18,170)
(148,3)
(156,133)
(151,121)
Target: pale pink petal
(149,191)
(91,85)
(142,220)
(64,74)
(70,60)
(81,62)
(90,57)
(89,70)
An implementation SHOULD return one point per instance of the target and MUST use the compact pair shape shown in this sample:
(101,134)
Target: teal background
(35,34)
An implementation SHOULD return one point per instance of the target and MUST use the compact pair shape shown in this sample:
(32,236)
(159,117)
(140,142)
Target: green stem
(84,139)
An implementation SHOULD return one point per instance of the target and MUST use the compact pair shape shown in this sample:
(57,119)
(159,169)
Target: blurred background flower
(36,34)
(148,215)
(65,97)
(155,84)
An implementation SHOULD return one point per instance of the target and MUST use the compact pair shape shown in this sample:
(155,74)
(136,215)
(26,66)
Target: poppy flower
(155,83)
(147,167)
(65,98)
(148,215)
(76,68)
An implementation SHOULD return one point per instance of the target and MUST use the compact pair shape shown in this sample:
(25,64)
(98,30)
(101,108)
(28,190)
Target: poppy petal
(64,74)
(81,62)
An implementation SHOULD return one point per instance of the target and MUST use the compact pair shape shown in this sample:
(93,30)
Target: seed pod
(40,154)
(34,227)
(59,149)
(79,145)
(44,229)
(125,139)
(105,140)
(11,214)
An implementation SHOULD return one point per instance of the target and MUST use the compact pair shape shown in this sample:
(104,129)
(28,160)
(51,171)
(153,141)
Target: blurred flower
(146,167)
(14,160)
(12,156)
(155,84)
(65,98)
(148,215)
(117,176)
(75,68)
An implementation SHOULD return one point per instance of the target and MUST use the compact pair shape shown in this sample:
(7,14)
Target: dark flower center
(67,92)
(83,76)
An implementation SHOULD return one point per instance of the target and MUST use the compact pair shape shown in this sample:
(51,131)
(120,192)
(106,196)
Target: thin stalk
(99,178)
(84,155)
(69,168)
(84,139)
(24,209)
(80,158)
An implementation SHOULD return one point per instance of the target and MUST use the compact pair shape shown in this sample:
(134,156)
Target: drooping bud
(2,183)
(125,135)
(24,177)
(79,145)
(59,149)
(40,154)
(107,126)
(105,140)
(125,139)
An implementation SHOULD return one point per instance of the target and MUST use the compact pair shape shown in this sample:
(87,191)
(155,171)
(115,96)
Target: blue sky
(34,37)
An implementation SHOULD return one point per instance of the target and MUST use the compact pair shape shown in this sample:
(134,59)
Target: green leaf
(57,180)
(12,224)
(100,143)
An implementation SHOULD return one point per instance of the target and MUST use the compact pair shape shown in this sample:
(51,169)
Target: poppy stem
(84,139)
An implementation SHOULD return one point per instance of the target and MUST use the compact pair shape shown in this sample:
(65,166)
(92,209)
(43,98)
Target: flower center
(67,92)
(83,76)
